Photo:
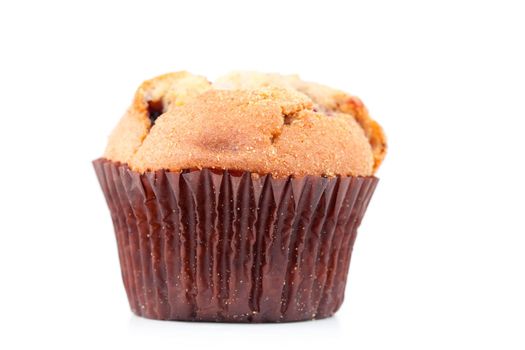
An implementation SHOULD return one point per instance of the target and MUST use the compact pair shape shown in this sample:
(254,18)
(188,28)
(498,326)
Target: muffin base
(226,246)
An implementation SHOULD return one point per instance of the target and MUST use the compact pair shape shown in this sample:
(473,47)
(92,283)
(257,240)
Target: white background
(439,262)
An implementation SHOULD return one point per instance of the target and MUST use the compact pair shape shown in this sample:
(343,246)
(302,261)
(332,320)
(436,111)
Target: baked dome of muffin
(262,123)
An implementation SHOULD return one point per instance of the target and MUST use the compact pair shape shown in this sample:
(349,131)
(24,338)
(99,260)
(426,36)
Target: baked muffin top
(262,123)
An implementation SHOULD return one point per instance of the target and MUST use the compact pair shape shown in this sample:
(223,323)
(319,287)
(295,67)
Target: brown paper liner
(232,247)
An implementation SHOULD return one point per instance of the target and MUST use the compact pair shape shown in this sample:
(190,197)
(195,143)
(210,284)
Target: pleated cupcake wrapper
(233,247)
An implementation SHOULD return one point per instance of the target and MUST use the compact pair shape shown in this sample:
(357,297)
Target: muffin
(239,200)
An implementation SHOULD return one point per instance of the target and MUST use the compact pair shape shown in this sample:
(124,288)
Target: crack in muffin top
(247,121)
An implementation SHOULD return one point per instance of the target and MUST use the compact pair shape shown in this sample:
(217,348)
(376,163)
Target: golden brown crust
(167,91)
(324,97)
(247,121)
(373,131)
